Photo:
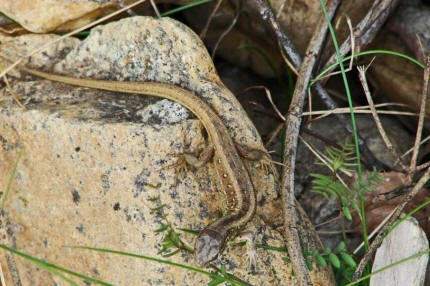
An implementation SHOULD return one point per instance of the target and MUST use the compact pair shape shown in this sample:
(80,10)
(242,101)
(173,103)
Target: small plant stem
(389,266)
(228,29)
(6,81)
(362,76)
(412,149)
(423,166)
(292,131)
(424,93)
(296,60)
(366,30)
(397,212)
(209,20)
(342,221)
(9,184)
(357,150)
(154,6)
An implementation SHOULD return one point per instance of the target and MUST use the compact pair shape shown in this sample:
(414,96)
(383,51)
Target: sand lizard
(231,170)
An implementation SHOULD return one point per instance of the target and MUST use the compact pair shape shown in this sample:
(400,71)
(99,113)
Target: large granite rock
(92,159)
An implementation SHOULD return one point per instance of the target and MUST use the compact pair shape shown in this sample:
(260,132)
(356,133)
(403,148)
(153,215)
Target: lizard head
(208,245)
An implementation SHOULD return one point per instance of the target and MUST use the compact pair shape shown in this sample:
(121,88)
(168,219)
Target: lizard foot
(251,250)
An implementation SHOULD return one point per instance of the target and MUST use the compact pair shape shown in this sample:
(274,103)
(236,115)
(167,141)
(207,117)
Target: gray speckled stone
(90,163)
(407,239)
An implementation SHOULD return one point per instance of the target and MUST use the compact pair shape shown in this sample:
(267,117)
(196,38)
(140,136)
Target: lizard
(231,170)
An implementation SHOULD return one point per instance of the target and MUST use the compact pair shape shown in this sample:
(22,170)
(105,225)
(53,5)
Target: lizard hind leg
(261,156)
(186,159)
(198,161)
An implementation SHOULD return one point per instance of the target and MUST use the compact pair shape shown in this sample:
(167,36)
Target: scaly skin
(239,188)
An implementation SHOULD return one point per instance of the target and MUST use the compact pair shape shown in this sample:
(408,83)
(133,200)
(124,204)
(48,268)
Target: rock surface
(90,163)
(407,32)
(42,16)
(405,240)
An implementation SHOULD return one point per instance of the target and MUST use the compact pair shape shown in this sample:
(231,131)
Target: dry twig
(423,180)
(11,91)
(366,30)
(413,163)
(362,75)
(269,97)
(228,30)
(208,22)
(281,8)
(296,60)
(381,235)
(292,129)
(412,149)
(351,60)
(154,6)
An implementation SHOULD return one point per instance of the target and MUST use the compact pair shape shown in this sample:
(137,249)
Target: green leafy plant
(172,242)
(340,159)
(335,257)
(343,263)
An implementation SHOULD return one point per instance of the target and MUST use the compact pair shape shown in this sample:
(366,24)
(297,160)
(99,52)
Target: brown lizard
(230,168)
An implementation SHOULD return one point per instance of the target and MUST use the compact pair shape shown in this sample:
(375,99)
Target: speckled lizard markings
(240,191)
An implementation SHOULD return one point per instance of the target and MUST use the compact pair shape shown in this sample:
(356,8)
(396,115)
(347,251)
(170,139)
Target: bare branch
(413,163)
(362,76)
(381,235)
(292,130)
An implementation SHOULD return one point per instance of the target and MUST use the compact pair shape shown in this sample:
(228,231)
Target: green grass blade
(159,261)
(407,215)
(351,111)
(9,184)
(47,265)
(189,5)
(274,248)
(389,266)
(188,230)
(9,18)
(59,274)
(369,52)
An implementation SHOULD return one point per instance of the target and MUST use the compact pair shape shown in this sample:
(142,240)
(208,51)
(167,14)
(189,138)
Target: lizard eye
(207,248)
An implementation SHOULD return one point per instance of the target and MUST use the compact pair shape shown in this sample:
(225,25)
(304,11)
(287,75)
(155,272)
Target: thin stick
(281,8)
(293,127)
(362,75)
(208,22)
(412,149)
(154,6)
(325,160)
(423,166)
(366,30)
(381,235)
(228,30)
(11,91)
(287,61)
(351,60)
(273,134)
(269,97)
(421,117)
(357,109)
(326,113)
